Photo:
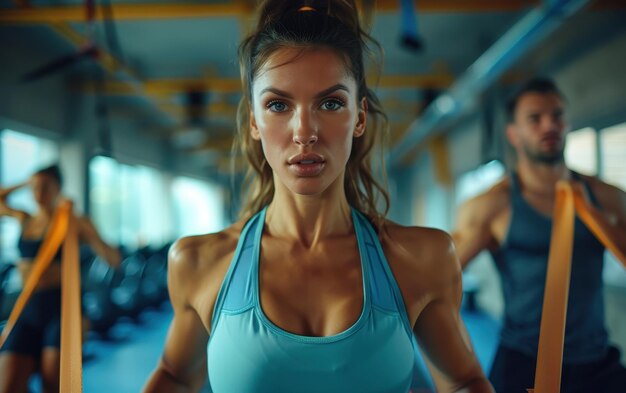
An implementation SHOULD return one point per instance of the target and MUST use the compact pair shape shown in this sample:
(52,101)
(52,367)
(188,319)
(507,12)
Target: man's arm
(612,213)
(183,366)
(473,230)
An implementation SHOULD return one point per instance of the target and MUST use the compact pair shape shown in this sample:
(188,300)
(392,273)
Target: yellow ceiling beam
(214,109)
(432,81)
(165,87)
(106,60)
(221,143)
(124,12)
(242,9)
(76,13)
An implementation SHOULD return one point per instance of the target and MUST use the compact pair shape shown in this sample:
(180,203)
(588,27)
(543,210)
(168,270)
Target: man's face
(538,129)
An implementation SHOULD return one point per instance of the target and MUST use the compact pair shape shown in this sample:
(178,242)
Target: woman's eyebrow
(325,92)
(332,89)
(275,91)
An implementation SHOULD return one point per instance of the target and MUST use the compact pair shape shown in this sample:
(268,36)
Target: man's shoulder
(490,202)
(607,195)
(597,185)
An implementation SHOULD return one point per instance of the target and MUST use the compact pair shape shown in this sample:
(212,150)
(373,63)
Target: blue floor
(484,332)
(123,363)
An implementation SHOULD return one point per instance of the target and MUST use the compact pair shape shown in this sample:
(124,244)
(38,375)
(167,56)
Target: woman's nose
(305,128)
(304,140)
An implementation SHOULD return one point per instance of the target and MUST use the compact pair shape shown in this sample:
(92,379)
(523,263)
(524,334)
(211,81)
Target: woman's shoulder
(199,252)
(199,261)
(421,250)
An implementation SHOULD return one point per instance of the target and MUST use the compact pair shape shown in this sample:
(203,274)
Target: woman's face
(305,113)
(45,189)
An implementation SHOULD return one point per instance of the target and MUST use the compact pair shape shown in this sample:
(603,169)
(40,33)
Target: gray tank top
(522,263)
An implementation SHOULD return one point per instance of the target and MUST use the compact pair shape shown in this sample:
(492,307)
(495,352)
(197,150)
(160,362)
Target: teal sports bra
(248,353)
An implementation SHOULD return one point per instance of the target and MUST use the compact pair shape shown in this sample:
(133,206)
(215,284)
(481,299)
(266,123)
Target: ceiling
(170,67)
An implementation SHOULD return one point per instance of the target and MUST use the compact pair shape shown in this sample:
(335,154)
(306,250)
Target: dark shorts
(514,372)
(39,325)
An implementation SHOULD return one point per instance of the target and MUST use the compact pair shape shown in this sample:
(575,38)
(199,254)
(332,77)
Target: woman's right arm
(6,210)
(183,365)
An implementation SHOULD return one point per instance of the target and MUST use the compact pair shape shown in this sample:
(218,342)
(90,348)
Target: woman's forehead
(309,65)
(42,177)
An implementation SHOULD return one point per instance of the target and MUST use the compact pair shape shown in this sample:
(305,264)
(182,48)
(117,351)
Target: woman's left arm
(88,234)
(439,329)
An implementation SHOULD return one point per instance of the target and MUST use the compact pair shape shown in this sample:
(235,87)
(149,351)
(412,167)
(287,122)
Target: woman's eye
(332,105)
(277,106)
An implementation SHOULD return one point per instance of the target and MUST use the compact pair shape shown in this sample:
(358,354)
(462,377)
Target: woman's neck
(308,219)
(46,211)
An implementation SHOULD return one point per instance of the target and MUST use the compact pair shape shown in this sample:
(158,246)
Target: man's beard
(553,158)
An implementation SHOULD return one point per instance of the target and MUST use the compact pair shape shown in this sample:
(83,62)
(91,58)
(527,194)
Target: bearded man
(513,220)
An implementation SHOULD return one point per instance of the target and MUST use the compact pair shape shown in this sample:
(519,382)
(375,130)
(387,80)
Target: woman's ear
(254,130)
(359,128)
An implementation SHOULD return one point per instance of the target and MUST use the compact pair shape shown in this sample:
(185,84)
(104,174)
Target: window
(129,203)
(613,170)
(613,160)
(199,206)
(480,179)
(104,197)
(581,151)
(20,156)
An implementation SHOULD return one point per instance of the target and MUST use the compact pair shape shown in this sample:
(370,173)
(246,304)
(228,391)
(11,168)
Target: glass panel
(581,151)
(613,164)
(613,160)
(198,205)
(129,203)
(104,197)
(479,180)
(21,156)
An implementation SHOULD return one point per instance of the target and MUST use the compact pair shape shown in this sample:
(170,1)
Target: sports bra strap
(236,291)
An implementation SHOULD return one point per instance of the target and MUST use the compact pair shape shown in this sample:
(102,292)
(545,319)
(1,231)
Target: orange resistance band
(62,230)
(552,333)
(71,378)
(52,242)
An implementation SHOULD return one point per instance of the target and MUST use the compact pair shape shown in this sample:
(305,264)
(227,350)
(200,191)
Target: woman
(34,342)
(307,295)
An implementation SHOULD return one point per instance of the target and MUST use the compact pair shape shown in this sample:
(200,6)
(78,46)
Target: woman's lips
(306,168)
(306,164)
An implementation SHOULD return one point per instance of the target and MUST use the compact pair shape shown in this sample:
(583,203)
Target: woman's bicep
(183,366)
(441,332)
(442,336)
(184,355)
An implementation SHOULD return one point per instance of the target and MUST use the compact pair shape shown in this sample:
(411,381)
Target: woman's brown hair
(304,24)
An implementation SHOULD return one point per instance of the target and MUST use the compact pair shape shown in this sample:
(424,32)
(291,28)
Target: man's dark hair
(535,85)
(54,172)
